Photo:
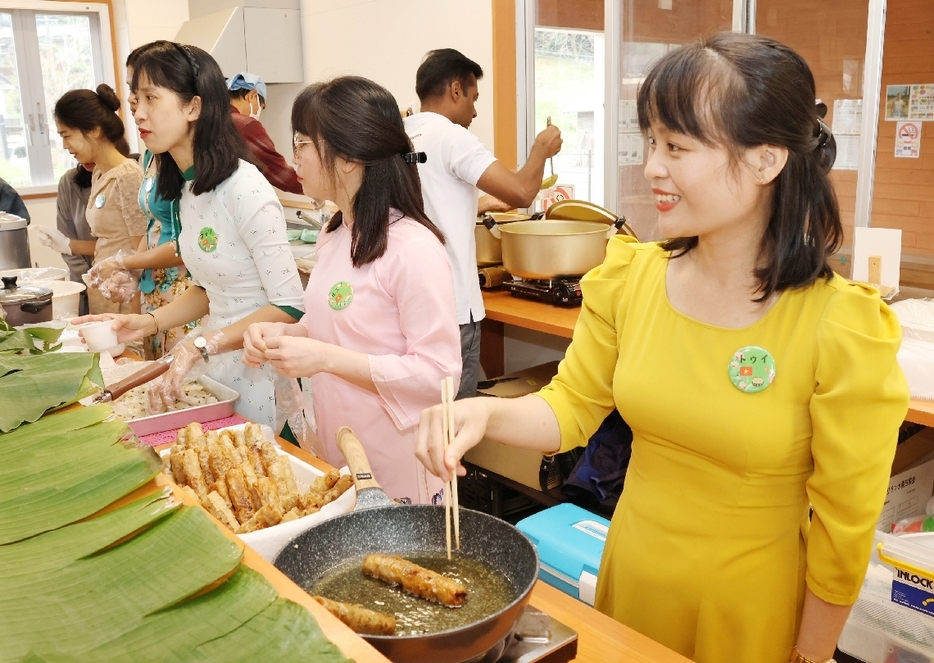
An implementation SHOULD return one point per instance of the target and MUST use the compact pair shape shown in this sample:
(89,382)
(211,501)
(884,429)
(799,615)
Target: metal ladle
(550,181)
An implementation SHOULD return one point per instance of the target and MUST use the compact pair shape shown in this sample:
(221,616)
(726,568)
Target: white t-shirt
(456,160)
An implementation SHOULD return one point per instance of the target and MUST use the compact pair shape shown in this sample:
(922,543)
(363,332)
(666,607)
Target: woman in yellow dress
(760,386)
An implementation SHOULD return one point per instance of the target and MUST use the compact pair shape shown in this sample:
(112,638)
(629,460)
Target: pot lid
(579,210)
(10,293)
(11,221)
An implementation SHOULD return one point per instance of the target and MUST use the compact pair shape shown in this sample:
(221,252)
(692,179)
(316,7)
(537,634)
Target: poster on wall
(921,102)
(908,140)
(896,102)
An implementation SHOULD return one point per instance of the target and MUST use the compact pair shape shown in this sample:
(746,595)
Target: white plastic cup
(100,336)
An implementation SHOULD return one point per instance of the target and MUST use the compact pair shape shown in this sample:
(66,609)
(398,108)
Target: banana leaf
(14,340)
(150,581)
(64,468)
(85,601)
(32,384)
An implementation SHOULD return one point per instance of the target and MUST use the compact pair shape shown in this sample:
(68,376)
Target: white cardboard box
(908,493)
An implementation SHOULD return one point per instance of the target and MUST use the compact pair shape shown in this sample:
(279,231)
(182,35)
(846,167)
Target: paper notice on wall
(630,149)
(847,116)
(908,140)
(847,121)
(847,152)
(628,116)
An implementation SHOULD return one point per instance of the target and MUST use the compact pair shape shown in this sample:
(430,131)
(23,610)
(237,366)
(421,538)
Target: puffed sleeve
(258,216)
(859,401)
(581,394)
(419,279)
(127,186)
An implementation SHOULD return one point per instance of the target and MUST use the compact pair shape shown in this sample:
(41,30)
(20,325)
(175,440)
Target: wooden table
(503,309)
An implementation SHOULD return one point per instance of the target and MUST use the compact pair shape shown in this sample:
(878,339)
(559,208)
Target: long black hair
(741,91)
(359,121)
(217,147)
(87,110)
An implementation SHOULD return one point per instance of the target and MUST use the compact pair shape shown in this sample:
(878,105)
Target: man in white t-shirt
(457,165)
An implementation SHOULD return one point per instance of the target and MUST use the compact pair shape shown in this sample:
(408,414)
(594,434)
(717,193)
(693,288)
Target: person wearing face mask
(247,101)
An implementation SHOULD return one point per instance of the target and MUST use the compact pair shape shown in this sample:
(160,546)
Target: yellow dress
(710,546)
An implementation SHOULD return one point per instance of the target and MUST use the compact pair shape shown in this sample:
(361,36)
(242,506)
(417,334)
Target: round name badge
(148,184)
(207,240)
(340,296)
(752,369)
(100,200)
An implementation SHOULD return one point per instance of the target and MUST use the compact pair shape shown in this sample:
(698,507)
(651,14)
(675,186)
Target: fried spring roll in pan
(415,579)
(360,619)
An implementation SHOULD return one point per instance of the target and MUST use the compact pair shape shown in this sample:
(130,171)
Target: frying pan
(379,525)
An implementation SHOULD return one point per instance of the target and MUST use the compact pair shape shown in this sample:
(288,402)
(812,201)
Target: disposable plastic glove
(54,238)
(188,365)
(120,287)
(105,268)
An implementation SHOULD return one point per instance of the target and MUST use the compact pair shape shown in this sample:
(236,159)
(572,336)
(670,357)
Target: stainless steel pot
(489,249)
(25,304)
(14,242)
(549,249)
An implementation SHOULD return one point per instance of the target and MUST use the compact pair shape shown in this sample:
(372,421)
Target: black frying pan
(379,525)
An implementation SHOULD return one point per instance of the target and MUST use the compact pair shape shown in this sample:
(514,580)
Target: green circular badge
(340,295)
(752,369)
(207,240)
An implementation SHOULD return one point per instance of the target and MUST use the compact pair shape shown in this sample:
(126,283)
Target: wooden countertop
(921,412)
(503,307)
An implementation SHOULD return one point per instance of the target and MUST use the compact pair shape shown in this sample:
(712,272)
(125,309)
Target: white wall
(385,41)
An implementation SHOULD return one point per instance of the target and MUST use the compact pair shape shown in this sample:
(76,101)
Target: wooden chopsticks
(450,487)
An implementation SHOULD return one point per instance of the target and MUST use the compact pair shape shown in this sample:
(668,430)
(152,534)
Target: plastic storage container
(890,621)
(570,544)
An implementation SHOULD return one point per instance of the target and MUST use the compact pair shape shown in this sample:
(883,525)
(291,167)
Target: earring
(760,179)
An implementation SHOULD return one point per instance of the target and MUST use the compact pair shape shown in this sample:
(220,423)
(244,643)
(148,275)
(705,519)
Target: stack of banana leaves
(83,579)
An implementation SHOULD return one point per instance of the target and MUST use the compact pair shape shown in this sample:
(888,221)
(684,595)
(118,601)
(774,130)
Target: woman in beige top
(91,130)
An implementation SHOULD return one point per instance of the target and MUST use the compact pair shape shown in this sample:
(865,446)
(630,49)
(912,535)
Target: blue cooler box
(570,543)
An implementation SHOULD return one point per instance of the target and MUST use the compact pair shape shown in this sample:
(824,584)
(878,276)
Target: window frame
(25,40)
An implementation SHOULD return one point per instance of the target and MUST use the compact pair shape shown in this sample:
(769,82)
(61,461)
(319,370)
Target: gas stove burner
(560,292)
(537,638)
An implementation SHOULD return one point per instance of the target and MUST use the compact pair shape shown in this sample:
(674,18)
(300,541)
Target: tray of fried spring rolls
(261,493)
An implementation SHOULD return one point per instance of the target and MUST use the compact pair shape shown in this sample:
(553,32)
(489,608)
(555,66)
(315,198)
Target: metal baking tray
(224,407)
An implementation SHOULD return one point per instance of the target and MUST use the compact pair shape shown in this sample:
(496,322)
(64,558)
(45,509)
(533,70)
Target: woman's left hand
(296,357)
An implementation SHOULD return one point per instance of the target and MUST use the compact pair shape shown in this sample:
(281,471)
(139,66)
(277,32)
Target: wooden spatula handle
(356,458)
(117,390)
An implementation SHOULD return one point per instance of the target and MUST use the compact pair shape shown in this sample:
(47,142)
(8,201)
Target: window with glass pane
(14,159)
(67,64)
(569,84)
(648,30)
(43,54)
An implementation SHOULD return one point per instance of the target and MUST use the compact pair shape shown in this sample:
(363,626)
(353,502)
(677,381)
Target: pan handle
(117,390)
(356,458)
(490,224)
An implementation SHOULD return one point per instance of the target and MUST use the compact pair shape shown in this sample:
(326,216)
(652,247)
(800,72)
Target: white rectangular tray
(269,541)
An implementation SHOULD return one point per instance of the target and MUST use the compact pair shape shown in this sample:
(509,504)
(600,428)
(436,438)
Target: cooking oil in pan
(487,593)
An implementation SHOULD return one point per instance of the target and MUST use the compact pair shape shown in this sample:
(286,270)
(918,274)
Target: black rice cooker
(25,304)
